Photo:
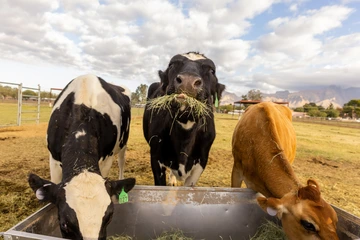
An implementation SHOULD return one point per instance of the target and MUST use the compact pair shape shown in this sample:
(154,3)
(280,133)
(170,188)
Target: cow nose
(188,82)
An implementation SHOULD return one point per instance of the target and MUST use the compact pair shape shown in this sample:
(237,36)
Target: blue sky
(269,45)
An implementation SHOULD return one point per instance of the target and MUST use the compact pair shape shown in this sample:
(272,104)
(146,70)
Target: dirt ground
(23,150)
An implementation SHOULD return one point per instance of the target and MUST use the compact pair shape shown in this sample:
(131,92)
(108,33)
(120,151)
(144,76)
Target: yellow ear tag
(123,197)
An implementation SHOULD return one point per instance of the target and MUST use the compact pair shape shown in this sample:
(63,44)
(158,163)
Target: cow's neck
(281,176)
(80,153)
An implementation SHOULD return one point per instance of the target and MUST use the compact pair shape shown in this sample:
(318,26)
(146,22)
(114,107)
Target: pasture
(329,154)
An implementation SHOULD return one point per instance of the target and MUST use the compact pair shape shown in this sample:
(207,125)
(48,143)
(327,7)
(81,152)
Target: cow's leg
(121,162)
(105,165)
(172,179)
(55,170)
(157,167)
(159,172)
(194,176)
(237,176)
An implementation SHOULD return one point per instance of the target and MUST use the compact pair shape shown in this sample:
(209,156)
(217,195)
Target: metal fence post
(19,104)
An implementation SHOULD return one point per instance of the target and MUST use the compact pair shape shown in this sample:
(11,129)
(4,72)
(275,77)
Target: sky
(267,45)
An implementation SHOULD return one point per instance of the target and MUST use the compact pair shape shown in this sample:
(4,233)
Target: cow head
(304,215)
(84,203)
(194,75)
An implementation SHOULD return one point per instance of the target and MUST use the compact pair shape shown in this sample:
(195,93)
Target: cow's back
(91,105)
(264,141)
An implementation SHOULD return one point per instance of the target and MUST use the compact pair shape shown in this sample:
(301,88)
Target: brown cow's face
(194,75)
(304,215)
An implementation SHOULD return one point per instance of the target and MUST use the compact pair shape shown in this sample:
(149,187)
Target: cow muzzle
(190,84)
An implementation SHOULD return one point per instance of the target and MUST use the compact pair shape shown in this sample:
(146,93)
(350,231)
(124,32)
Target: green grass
(331,142)
(8,113)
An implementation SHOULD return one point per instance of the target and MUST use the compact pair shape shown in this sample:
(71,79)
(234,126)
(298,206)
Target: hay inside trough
(269,231)
(166,235)
(119,237)
(196,108)
(175,234)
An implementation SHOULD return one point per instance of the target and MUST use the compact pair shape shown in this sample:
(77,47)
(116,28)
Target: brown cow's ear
(311,191)
(313,183)
(272,206)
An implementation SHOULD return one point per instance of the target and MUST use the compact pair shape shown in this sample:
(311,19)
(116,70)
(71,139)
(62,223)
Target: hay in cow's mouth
(196,108)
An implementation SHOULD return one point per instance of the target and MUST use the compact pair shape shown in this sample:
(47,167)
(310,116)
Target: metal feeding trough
(200,213)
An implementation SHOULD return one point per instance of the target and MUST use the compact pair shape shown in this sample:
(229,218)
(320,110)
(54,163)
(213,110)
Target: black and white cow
(182,144)
(89,123)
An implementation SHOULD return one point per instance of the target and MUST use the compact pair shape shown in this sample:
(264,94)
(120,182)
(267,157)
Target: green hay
(269,231)
(196,108)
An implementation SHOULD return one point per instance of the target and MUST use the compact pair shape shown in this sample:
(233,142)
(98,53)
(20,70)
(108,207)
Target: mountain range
(322,97)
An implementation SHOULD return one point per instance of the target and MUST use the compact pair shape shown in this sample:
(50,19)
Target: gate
(31,105)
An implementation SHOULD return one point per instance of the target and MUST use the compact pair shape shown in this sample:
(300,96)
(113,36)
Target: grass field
(8,113)
(330,154)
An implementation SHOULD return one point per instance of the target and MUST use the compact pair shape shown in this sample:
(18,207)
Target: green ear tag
(123,197)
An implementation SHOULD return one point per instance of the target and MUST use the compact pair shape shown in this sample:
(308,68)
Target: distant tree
(244,97)
(28,93)
(320,108)
(309,107)
(330,107)
(347,111)
(139,96)
(299,109)
(254,95)
(7,91)
(332,113)
(316,113)
(44,94)
(351,109)
(226,108)
(353,102)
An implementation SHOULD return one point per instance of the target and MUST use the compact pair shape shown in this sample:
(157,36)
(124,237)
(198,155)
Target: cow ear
(273,206)
(164,79)
(44,190)
(117,186)
(219,89)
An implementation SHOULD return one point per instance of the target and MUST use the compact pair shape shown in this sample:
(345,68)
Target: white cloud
(293,7)
(131,40)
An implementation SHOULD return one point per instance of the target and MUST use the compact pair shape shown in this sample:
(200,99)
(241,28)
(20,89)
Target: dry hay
(174,234)
(269,231)
(119,237)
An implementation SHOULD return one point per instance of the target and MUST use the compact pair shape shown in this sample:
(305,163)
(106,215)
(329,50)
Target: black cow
(182,141)
(89,123)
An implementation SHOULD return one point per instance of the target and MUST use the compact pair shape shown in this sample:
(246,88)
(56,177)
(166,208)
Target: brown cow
(264,145)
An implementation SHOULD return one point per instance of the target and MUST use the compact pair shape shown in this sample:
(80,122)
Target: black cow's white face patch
(194,56)
(80,133)
(86,194)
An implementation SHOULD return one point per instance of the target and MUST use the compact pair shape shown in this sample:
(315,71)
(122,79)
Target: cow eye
(308,226)
(212,71)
